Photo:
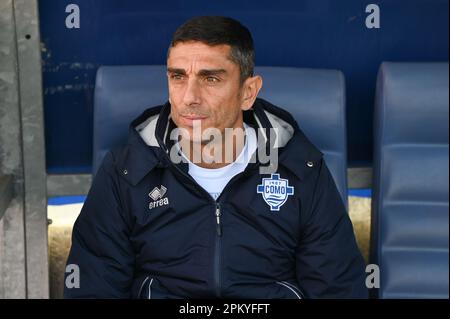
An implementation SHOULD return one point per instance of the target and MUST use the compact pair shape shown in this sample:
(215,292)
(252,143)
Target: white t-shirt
(214,180)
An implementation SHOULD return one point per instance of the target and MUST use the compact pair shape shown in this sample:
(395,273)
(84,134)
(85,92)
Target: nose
(192,93)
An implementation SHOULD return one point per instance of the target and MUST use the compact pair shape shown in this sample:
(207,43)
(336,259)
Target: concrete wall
(23,228)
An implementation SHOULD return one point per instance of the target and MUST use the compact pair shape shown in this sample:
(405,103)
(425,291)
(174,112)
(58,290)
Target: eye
(212,79)
(176,76)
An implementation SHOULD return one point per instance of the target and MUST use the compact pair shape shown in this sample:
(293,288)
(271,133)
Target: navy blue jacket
(148,230)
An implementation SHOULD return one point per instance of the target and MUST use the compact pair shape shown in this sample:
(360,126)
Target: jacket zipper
(217,245)
(217,278)
(292,288)
(218,213)
(219,227)
(218,248)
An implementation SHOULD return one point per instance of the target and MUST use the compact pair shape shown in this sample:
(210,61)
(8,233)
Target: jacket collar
(149,142)
(296,152)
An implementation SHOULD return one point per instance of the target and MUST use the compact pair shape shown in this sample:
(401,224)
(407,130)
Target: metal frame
(68,184)
(6,193)
(33,144)
(12,236)
(79,184)
(359,177)
(23,242)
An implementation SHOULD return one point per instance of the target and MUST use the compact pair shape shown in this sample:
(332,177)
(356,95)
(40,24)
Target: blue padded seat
(410,224)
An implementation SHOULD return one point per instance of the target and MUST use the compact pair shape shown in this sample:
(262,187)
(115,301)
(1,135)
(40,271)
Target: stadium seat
(410,224)
(121,94)
(316,98)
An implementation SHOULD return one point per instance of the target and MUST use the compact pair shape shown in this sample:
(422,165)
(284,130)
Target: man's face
(204,86)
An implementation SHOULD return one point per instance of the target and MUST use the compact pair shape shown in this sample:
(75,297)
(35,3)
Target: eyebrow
(203,72)
(211,72)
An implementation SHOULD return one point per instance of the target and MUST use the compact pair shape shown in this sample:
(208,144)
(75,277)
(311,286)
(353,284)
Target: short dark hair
(216,30)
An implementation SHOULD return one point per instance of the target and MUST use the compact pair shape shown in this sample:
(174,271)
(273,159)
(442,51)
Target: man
(176,214)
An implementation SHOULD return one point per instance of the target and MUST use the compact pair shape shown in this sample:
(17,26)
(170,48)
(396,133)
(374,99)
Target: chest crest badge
(275,191)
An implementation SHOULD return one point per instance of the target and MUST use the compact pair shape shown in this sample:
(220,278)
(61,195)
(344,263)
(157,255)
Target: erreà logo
(157,194)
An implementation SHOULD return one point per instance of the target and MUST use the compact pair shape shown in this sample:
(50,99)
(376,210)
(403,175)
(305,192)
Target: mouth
(194,117)
(188,119)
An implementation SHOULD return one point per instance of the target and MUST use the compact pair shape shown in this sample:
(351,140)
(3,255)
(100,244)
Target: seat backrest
(316,98)
(410,185)
(121,94)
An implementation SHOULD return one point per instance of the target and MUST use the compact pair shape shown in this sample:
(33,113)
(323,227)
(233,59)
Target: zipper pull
(219,227)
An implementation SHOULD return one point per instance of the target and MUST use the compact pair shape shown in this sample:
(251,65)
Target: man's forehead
(194,51)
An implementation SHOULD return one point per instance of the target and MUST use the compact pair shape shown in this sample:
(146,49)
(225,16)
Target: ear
(250,90)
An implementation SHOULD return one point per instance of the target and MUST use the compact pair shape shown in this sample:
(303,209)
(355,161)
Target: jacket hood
(149,144)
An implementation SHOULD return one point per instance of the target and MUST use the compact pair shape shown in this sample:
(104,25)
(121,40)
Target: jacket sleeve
(101,248)
(329,263)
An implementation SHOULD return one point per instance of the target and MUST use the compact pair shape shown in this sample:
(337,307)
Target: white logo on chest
(157,194)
